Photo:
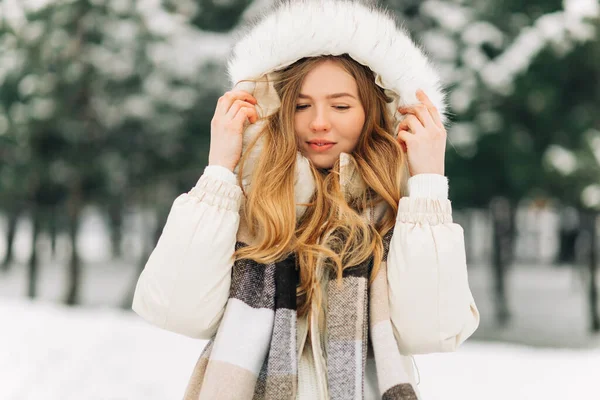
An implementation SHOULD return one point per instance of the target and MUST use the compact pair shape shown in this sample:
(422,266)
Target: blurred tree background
(105,105)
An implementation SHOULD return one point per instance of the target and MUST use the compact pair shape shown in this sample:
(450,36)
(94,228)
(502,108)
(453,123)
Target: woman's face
(329,116)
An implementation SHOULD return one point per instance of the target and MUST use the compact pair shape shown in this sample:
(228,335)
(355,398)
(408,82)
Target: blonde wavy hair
(332,232)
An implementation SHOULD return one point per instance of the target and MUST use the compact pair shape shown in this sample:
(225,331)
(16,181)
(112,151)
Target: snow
(480,32)
(590,196)
(13,14)
(42,108)
(184,48)
(560,29)
(182,54)
(582,8)
(136,38)
(437,42)
(54,352)
(561,159)
(51,352)
(452,17)
(462,136)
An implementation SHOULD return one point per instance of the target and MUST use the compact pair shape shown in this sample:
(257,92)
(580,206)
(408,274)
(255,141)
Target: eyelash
(301,107)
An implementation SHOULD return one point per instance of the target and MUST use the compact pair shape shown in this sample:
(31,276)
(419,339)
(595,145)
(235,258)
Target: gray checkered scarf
(253,354)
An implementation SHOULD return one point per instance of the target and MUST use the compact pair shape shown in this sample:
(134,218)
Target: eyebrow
(331,96)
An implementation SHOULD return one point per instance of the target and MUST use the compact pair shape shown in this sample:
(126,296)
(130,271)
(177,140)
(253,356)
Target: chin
(321,164)
(320,161)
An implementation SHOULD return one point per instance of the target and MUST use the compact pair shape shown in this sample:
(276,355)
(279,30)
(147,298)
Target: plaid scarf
(253,354)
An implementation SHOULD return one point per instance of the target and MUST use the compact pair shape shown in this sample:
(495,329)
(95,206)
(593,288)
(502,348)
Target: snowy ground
(54,353)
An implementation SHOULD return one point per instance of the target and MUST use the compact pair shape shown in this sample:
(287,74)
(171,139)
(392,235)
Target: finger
(243,115)
(237,105)
(433,111)
(421,112)
(231,98)
(226,101)
(404,137)
(412,123)
(250,112)
(253,115)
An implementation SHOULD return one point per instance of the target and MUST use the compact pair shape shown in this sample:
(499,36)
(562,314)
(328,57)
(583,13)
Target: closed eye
(300,107)
(341,107)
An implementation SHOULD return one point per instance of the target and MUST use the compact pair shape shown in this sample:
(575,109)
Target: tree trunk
(74,215)
(593,264)
(502,221)
(593,273)
(13,219)
(33,265)
(53,230)
(115,217)
(568,234)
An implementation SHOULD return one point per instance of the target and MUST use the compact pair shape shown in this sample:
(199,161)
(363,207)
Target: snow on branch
(562,29)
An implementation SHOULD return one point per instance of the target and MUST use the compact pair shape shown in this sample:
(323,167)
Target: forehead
(328,77)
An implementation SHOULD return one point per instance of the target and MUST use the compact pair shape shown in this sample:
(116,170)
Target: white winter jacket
(185,284)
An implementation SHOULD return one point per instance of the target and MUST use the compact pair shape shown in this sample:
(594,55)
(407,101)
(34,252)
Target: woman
(329,257)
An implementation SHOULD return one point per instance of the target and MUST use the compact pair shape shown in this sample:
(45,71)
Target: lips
(320,145)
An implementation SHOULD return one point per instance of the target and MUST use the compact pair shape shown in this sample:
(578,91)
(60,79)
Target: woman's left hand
(423,136)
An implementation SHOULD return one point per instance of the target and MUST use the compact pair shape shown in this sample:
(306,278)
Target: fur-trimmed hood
(294,29)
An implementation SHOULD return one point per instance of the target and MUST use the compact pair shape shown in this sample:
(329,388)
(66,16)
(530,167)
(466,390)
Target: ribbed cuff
(424,210)
(217,192)
(430,186)
(220,173)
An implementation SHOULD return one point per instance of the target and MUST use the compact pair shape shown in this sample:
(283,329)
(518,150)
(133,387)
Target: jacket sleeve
(185,284)
(431,305)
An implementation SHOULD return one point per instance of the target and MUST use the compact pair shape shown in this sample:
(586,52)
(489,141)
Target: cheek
(354,128)
(297,126)
(299,123)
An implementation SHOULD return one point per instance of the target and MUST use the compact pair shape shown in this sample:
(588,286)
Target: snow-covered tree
(103,102)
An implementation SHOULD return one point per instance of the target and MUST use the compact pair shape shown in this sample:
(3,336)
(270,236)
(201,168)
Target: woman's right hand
(233,110)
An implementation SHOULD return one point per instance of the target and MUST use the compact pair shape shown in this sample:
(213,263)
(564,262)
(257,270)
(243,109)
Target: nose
(320,122)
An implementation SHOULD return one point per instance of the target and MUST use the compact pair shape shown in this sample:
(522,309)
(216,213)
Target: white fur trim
(300,28)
